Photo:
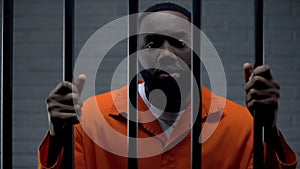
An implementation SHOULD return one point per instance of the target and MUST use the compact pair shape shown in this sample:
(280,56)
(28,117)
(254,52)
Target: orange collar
(211,103)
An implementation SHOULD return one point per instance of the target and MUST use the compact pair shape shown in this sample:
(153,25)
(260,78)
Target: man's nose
(167,55)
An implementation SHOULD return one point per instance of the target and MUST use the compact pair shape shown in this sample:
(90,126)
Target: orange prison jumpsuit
(100,138)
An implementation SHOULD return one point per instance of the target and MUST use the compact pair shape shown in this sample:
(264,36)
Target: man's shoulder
(105,101)
(231,109)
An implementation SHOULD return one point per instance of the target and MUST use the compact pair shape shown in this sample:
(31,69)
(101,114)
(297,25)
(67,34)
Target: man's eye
(178,43)
(153,44)
(149,45)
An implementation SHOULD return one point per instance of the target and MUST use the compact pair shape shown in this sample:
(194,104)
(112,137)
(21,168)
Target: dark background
(227,23)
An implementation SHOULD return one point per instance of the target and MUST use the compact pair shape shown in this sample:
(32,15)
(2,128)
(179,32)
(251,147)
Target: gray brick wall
(228,24)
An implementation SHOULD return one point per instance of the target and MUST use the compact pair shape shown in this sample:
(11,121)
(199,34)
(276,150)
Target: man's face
(168,42)
(165,53)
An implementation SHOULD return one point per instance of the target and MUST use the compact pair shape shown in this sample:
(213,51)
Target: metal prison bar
(132,123)
(259,60)
(7,72)
(196,147)
(7,84)
(68,63)
(132,71)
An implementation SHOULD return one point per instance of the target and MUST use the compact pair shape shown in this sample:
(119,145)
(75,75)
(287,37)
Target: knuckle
(54,115)
(256,79)
(77,107)
(252,92)
(48,100)
(49,109)
(267,67)
(250,104)
(75,96)
(277,86)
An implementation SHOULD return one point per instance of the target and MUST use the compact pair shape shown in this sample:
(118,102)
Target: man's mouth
(171,75)
(169,72)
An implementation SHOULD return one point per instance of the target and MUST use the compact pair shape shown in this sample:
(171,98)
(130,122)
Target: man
(164,136)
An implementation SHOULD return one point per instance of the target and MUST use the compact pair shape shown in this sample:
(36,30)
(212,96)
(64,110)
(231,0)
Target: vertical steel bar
(7,84)
(196,68)
(259,60)
(133,92)
(68,52)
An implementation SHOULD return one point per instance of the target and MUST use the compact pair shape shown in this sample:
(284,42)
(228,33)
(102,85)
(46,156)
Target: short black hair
(166,6)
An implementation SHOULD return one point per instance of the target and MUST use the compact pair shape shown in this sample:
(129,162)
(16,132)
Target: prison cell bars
(7,84)
(259,60)
(68,53)
(196,113)
(132,121)
(7,71)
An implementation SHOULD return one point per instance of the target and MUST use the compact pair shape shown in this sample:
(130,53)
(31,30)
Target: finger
(260,83)
(58,107)
(265,110)
(63,88)
(68,99)
(61,119)
(248,69)
(263,71)
(254,94)
(268,104)
(79,83)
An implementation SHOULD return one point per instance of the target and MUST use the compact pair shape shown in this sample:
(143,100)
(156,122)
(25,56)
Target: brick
(291,134)
(297,63)
(28,133)
(295,145)
(240,22)
(24,161)
(29,106)
(280,36)
(37,22)
(285,23)
(296,92)
(229,36)
(38,36)
(290,78)
(31,120)
(288,106)
(228,24)
(296,36)
(284,48)
(213,22)
(287,63)
(284,120)
(277,8)
(296,8)
(226,8)
(25,148)
(296,118)
(49,50)
(239,49)
(51,8)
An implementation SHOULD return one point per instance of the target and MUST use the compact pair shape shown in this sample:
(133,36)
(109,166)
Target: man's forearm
(55,147)
(272,138)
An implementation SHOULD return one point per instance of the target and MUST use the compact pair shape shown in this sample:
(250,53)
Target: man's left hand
(262,94)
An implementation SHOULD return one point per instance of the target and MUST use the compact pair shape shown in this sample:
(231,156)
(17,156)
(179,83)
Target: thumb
(248,69)
(79,83)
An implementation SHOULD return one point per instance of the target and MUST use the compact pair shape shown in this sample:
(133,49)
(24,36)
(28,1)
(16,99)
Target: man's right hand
(63,103)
